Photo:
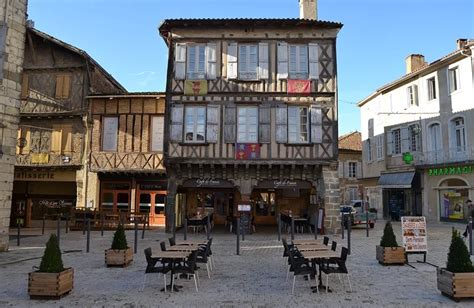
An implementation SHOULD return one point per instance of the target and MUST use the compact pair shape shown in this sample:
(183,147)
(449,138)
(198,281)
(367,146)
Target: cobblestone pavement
(256,278)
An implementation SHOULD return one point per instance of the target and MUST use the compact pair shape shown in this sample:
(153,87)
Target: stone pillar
(12,46)
(332,220)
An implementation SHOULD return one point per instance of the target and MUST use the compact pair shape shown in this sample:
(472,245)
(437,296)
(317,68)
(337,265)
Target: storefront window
(145,203)
(107,201)
(453,200)
(122,202)
(160,204)
(50,207)
(265,204)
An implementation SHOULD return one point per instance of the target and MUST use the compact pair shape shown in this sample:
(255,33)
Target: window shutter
(408,97)
(371,128)
(405,139)
(264,123)
(56,139)
(176,134)
(340,169)
(180,61)
(313,61)
(263,60)
(316,124)
(59,86)
(211,60)
(66,139)
(346,169)
(390,143)
(25,88)
(281,124)
(381,140)
(230,114)
(232,61)
(358,170)
(157,127)
(282,57)
(212,131)
(415,94)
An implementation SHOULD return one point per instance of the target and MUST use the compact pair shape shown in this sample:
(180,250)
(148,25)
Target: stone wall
(13,17)
(332,220)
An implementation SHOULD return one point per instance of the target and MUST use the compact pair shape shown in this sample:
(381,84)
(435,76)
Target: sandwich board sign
(414,234)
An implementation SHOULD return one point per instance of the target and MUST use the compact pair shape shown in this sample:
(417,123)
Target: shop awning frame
(401,180)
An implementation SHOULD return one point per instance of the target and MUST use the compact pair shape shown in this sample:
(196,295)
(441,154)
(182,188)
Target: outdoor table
(312,247)
(173,256)
(318,255)
(307,242)
(183,248)
(192,242)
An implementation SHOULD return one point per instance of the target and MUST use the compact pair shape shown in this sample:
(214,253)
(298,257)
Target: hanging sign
(195,87)
(414,233)
(299,86)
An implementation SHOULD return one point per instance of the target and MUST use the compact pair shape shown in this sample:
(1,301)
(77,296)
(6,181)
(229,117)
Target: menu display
(414,233)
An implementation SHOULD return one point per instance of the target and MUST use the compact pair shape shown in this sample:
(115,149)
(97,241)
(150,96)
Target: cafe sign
(40,176)
(207,183)
(450,170)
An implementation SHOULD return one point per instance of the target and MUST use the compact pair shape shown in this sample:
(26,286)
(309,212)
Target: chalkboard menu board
(245,223)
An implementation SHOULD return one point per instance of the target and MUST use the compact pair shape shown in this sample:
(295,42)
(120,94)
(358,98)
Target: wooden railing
(106,219)
(126,161)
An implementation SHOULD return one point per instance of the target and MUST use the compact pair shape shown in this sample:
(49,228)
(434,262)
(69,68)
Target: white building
(418,138)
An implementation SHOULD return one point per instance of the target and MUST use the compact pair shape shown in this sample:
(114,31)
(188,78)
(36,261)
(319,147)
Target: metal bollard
(135,244)
(88,235)
(174,228)
(367,223)
(67,223)
(470,237)
(279,226)
(185,234)
(102,224)
(58,229)
(143,230)
(316,225)
(343,221)
(349,228)
(208,228)
(237,232)
(18,234)
(292,228)
(84,219)
(42,228)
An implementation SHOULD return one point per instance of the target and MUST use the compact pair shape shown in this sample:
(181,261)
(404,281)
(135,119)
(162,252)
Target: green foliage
(388,238)
(458,255)
(120,240)
(52,261)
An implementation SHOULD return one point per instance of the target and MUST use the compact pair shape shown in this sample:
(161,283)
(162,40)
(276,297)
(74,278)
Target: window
(196,62)
(431,83)
(195,124)
(368,147)
(298,124)
(412,94)
(453,78)
(459,135)
(248,62)
(396,142)
(109,134)
(353,193)
(434,141)
(298,64)
(157,126)
(414,131)
(63,85)
(61,139)
(379,146)
(247,124)
(265,204)
(352,170)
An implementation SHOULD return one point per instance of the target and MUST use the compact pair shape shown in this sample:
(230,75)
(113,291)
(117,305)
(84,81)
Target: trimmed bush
(388,238)
(52,261)
(458,255)
(120,240)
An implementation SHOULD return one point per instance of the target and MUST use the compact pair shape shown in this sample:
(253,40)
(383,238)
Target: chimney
(309,9)
(460,43)
(414,63)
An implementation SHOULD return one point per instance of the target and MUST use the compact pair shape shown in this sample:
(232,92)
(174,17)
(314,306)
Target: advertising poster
(414,233)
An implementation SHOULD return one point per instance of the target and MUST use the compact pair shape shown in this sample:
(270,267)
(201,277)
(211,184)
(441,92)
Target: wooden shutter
(282,124)
(180,61)
(176,133)
(109,133)
(18,136)
(371,127)
(25,87)
(66,139)
(56,139)
(405,139)
(415,94)
(264,123)
(212,130)
(211,61)
(340,169)
(230,115)
(389,142)
(63,85)
(157,127)
(358,170)
(263,60)
(313,55)
(59,86)
(346,169)
(316,124)
(282,58)
(232,61)
(66,85)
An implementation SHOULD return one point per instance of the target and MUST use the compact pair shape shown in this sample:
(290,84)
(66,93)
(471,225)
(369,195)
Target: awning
(396,180)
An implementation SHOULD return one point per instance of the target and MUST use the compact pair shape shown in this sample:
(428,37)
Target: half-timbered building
(50,176)
(251,116)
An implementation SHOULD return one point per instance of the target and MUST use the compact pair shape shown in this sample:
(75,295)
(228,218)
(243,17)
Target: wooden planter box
(391,255)
(50,285)
(121,257)
(455,285)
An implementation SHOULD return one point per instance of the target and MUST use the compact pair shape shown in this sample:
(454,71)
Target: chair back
(333,245)
(192,261)
(163,246)
(285,246)
(326,240)
(172,241)
(148,255)
(344,253)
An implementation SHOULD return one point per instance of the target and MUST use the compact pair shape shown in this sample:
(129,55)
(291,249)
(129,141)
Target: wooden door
(153,203)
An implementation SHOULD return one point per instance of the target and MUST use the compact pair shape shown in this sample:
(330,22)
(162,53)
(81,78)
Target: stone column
(12,46)
(332,219)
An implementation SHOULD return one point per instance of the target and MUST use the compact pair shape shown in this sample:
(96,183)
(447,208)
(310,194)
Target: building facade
(127,173)
(417,138)
(12,42)
(51,140)
(350,167)
(251,117)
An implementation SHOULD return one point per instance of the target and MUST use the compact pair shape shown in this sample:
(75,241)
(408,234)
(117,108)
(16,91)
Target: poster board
(414,233)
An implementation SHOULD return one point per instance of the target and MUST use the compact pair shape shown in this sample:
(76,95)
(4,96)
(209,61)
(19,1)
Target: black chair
(172,241)
(326,240)
(203,256)
(300,268)
(333,245)
(339,268)
(163,246)
(297,257)
(152,268)
(188,268)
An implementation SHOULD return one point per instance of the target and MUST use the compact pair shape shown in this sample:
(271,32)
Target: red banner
(299,86)
(247,151)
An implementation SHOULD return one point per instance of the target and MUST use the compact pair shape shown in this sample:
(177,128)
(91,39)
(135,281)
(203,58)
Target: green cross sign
(407,158)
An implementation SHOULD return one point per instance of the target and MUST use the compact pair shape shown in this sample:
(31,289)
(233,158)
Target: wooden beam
(30,42)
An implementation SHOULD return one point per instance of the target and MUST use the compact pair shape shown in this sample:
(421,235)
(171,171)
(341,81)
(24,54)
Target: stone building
(251,117)
(350,167)
(12,42)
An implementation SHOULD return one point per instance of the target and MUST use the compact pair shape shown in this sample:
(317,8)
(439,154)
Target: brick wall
(13,17)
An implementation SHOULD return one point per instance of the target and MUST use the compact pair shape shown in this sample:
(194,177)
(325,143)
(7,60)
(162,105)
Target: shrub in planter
(51,280)
(388,252)
(119,254)
(457,279)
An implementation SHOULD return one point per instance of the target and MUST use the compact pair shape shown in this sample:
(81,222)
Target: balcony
(444,156)
(49,159)
(134,161)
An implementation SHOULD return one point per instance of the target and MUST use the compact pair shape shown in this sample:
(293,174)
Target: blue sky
(377,35)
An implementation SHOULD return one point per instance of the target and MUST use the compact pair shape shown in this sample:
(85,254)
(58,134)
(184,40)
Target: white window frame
(196,70)
(414,131)
(109,125)
(459,131)
(296,124)
(412,95)
(369,149)
(351,190)
(245,68)
(300,64)
(453,79)
(352,169)
(379,146)
(193,126)
(396,141)
(247,124)
(431,88)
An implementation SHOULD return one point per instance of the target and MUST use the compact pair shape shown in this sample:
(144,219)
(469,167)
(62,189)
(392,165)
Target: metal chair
(333,245)
(152,268)
(326,240)
(339,269)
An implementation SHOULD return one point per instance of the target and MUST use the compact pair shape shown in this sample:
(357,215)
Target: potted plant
(457,279)
(388,252)
(119,254)
(51,280)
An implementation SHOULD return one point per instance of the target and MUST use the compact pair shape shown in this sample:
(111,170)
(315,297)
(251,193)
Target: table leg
(169,287)
(321,286)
